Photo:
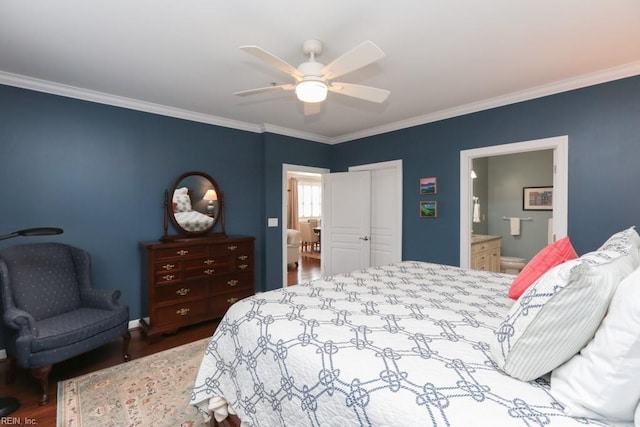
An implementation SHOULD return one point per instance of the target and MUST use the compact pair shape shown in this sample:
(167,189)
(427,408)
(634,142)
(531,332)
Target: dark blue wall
(603,125)
(100,172)
(278,151)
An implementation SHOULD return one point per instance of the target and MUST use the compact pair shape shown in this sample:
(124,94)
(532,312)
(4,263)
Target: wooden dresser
(189,281)
(485,253)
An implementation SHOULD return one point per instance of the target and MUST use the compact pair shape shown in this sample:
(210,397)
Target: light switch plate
(273,222)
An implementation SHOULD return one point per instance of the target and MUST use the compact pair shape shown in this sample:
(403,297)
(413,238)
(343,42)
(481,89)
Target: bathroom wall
(508,175)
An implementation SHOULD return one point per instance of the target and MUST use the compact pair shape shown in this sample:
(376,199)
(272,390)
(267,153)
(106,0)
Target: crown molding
(120,101)
(296,134)
(603,76)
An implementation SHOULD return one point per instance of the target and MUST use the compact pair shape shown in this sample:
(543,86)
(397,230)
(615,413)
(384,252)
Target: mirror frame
(169,214)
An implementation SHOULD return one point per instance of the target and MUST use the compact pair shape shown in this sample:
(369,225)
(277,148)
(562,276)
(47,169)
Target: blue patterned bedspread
(404,344)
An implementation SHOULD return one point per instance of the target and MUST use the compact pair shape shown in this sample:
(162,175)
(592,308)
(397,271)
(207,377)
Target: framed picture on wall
(429,209)
(429,185)
(537,198)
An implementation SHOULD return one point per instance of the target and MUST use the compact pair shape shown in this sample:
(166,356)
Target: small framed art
(429,209)
(537,198)
(429,185)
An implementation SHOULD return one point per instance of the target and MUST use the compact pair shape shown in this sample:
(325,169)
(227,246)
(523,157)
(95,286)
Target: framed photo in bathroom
(537,198)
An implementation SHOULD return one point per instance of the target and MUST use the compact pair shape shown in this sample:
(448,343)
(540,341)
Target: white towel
(476,211)
(515,226)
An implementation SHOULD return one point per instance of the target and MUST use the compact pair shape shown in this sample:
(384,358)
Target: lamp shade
(210,195)
(311,91)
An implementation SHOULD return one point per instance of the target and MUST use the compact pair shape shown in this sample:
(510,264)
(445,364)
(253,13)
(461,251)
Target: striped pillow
(556,317)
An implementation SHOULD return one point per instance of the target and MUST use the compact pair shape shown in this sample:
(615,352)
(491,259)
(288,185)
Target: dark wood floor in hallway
(308,269)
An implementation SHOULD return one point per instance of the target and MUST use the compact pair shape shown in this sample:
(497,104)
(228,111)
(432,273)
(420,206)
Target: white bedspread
(399,345)
(193,220)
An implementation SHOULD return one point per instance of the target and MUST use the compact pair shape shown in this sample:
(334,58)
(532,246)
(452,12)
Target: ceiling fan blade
(273,60)
(358,57)
(264,90)
(367,93)
(311,108)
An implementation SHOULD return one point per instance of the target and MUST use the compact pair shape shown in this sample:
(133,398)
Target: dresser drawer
(232,283)
(219,304)
(167,266)
(165,278)
(181,252)
(231,248)
(182,291)
(183,313)
(205,271)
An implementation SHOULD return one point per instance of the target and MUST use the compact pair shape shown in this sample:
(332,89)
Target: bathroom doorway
(499,219)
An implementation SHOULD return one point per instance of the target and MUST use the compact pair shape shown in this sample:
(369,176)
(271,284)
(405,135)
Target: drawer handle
(243,266)
(209,261)
(232,300)
(182,252)
(209,271)
(182,311)
(169,277)
(232,247)
(243,257)
(168,266)
(183,291)
(232,282)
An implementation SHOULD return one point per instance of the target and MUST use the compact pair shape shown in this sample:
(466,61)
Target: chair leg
(42,375)
(125,349)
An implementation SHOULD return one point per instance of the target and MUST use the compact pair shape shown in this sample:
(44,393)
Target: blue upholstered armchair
(50,311)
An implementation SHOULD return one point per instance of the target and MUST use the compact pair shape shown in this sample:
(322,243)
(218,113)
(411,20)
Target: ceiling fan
(313,79)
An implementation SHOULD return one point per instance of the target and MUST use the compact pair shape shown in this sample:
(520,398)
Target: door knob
(365,238)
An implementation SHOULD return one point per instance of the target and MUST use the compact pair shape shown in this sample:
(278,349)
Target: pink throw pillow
(550,256)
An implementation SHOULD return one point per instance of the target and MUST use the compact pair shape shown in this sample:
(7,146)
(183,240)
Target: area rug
(150,391)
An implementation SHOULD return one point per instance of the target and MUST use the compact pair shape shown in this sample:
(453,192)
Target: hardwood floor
(27,390)
(308,269)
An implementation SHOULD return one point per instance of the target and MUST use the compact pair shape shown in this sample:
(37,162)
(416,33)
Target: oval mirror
(195,204)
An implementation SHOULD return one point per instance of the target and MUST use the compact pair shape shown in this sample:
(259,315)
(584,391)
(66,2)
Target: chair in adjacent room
(294,238)
(50,311)
(309,238)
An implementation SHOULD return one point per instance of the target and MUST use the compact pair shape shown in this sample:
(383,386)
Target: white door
(386,215)
(346,222)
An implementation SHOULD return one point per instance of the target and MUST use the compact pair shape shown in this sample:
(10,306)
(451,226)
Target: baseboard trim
(133,324)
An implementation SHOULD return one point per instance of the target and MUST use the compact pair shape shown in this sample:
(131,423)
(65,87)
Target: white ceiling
(443,58)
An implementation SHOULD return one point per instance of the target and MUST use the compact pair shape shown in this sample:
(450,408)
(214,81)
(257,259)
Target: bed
(184,214)
(193,220)
(406,344)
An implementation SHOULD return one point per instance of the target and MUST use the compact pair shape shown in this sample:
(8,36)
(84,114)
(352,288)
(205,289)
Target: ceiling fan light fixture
(311,91)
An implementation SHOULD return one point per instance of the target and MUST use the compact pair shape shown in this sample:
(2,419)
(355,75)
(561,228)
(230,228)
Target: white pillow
(602,381)
(622,239)
(556,317)
(181,200)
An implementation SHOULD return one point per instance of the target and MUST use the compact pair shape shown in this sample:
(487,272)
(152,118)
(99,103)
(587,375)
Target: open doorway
(559,146)
(301,223)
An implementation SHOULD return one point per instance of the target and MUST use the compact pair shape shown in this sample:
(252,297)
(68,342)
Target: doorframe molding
(560,147)
(286,168)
